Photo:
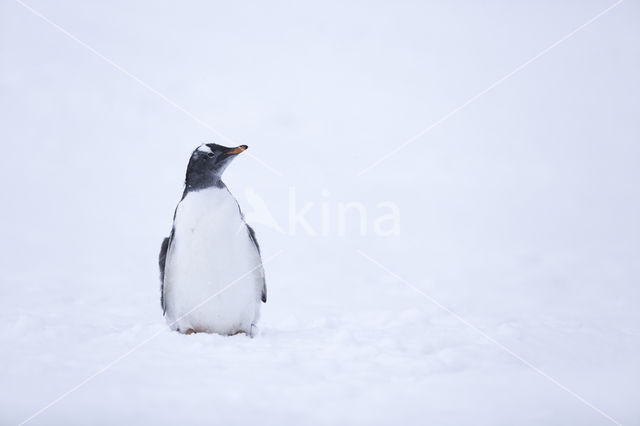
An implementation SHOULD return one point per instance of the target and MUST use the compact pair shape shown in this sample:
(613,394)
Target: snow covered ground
(508,295)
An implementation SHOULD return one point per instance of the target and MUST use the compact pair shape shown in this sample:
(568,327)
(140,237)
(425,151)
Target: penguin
(211,274)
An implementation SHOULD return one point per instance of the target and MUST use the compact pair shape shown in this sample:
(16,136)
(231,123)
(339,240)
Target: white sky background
(522,208)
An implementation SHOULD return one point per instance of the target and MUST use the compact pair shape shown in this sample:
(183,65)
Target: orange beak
(238,150)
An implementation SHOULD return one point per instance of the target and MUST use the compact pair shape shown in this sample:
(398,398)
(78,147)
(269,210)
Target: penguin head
(207,164)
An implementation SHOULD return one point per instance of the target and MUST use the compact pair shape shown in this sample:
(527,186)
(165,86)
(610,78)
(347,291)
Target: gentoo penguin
(211,272)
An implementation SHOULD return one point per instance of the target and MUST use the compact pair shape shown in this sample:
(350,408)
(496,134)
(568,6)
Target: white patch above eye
(204,148)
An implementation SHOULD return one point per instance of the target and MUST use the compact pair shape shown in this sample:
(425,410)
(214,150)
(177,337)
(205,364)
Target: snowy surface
(519,213)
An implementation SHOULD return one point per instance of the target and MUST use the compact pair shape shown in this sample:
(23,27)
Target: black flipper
(162,259)
(252,235)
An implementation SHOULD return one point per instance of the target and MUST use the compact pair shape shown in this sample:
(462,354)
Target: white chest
(211,258)
(207,216)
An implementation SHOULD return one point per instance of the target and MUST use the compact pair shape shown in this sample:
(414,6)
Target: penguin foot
(194,331)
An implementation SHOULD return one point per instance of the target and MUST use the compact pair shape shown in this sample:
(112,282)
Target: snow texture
(519,213)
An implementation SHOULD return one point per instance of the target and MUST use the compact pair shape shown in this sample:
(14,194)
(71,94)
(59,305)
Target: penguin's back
(213,275)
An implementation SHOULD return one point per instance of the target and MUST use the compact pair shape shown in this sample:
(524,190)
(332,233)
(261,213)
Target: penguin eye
(211,154)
